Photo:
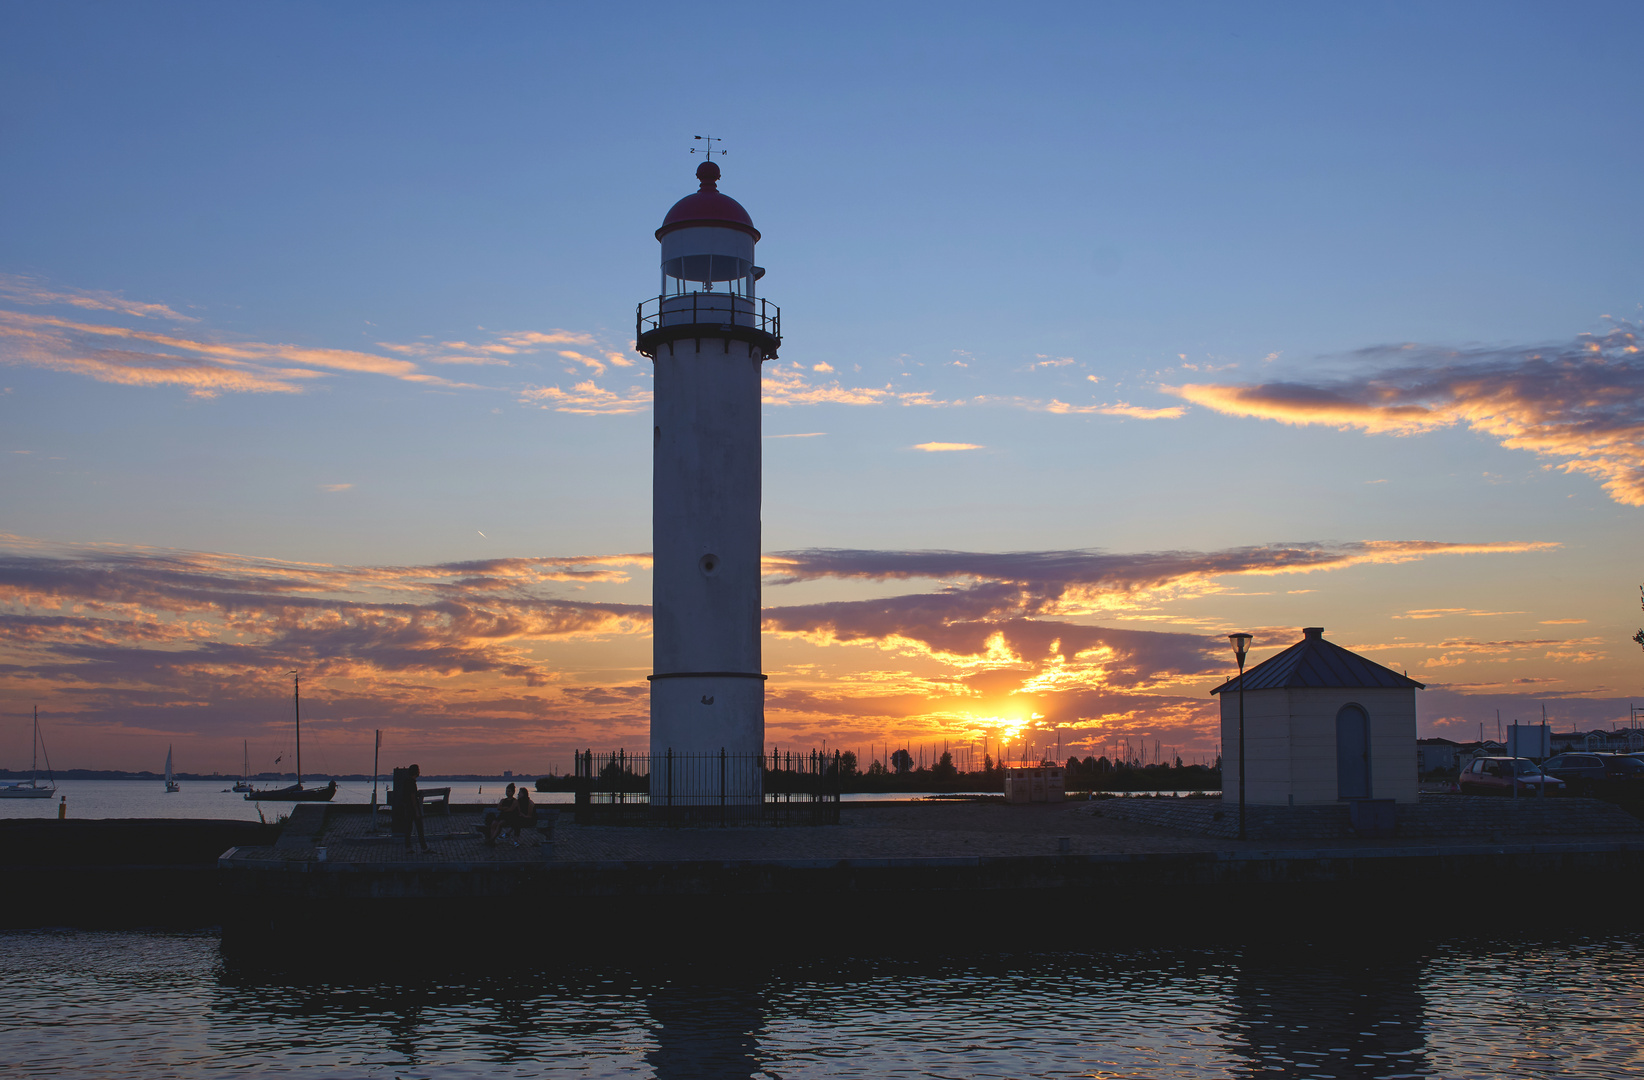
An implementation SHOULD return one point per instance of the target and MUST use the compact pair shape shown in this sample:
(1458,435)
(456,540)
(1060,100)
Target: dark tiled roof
(1315,662)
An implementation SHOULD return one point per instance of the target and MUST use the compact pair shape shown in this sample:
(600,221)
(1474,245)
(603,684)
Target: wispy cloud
(134,357)
(588,398)
(1442,613)
(1582,402)
(208,365)
(26,290)
(942,447)
(790,384)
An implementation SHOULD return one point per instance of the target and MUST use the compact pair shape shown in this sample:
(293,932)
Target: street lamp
(1241,645)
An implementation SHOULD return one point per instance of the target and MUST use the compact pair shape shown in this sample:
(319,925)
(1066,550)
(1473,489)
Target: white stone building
(1321,725)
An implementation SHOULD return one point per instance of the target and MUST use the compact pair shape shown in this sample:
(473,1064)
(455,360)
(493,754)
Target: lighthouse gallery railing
(720,310)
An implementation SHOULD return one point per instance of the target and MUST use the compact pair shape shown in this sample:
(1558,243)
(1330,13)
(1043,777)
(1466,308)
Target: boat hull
(27,792)
(293,794)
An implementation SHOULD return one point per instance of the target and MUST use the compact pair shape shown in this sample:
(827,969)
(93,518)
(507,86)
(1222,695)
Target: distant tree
(987,765)
(847,764)
(902,762)
(1639,637)
(877,769)
(943,770)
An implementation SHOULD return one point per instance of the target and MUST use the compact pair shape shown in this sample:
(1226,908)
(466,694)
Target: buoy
(62,808)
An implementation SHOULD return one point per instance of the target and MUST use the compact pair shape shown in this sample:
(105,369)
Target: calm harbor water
(211,799)
(154,1005)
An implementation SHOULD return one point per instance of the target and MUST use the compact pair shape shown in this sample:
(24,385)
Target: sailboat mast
(297,705)
(34,748)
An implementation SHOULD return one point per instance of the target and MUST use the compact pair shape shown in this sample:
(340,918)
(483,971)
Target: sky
(1109,329)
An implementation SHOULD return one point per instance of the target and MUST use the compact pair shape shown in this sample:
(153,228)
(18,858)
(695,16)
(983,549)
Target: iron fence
(678,788)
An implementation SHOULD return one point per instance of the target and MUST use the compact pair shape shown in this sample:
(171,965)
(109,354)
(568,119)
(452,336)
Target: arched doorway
(1352,753)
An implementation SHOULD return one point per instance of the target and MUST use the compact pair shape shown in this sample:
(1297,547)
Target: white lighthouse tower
(707,335)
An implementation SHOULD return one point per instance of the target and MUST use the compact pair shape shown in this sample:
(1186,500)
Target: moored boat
(172,787)
(32,788)
(245,768)
(296,792)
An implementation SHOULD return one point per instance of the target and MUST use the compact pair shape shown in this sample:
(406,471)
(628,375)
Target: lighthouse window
(699,273)
(709,564)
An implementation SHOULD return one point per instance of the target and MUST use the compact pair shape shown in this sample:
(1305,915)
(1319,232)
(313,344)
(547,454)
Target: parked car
(1581,770)
(1501,775)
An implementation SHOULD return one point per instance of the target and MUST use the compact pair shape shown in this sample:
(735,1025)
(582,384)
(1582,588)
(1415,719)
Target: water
(211,799)
(152,1005)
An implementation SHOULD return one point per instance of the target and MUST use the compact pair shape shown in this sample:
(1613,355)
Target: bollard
(1064,844)
(319,854)
(62,808)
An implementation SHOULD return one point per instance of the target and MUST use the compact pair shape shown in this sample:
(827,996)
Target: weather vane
(708,150)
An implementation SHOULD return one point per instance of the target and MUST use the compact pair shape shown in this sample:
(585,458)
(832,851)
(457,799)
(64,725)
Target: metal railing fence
(679,788)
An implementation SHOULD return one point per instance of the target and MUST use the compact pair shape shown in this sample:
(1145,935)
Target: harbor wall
(119,872)
(896,904)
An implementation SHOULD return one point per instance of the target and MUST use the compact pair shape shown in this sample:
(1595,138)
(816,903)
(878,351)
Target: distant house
(1322,724)
(1624,741)
(1435,754)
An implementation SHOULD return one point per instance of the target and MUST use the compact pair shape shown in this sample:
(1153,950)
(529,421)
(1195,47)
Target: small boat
(172,787)
(245,769)
(32,788)
(296,792)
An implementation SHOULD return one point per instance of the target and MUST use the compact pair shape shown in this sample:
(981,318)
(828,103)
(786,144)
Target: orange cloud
(587,398)
(1582,402)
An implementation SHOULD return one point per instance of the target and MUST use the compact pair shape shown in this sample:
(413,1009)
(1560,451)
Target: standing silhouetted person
(408,806)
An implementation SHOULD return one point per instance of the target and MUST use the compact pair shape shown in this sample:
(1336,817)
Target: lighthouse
(707,335)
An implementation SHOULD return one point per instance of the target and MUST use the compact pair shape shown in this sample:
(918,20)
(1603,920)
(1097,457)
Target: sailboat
(172,786)
(31,788)
(296,792)
(245,768)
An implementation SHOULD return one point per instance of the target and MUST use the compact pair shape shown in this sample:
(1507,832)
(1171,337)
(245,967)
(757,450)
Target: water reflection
(137,1005)
(1307,1011)
(705,1032)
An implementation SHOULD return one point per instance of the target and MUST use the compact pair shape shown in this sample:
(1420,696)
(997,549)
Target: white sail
(168,764)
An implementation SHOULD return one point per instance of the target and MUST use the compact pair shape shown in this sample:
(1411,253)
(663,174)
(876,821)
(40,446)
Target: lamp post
(1241,645)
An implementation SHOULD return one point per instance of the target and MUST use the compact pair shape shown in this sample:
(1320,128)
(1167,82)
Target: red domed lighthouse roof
(708,206)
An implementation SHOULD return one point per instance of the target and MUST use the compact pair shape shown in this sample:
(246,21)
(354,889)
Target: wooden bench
(441,795)
(542,820)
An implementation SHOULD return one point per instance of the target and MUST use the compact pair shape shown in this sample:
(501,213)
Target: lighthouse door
(1352,753)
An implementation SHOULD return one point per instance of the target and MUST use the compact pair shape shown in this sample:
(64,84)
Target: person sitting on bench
(525,811)
(502,817)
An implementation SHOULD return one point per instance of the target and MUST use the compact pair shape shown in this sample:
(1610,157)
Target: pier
(891,874)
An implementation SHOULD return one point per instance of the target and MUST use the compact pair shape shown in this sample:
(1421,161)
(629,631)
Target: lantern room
(708,272)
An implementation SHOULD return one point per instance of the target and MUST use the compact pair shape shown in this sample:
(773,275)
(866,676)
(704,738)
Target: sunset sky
(1109,329)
